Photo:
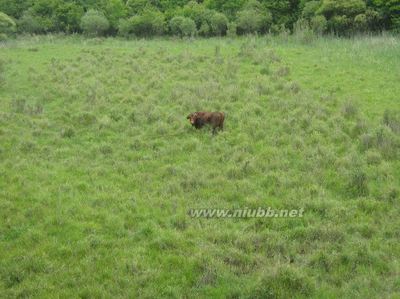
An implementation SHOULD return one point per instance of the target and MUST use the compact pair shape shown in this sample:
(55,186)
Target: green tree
(135,7)
(67,17)
(15,8)
(29,23)
(114,10)
(188,27)
(318,24)
(253,18)
(7,26)
(348,8)
(197,12)
(344,16)
(228,7)
(182,26)
(389,11)
(151,22)
(310,8)
(94,23)
(44,13)
(219,23)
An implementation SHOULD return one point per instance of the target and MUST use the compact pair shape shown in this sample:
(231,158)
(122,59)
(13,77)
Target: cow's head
(192,117)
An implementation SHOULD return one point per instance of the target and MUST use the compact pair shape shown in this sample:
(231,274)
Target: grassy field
(99,167)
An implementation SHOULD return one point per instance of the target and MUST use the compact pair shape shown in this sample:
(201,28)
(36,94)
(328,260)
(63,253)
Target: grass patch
(99,167)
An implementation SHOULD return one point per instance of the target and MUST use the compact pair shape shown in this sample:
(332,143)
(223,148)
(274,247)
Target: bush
(360,22)
(318,24)
(197,12)
(135,7)
(339,24)
(67,17)
(41,17)
(208,22)
(188,27)
(114,10)
(205,29)
(175,25)
(341,15)
(303,32)
(231,32)
(149,23)
(182,26)
(29,23)
(374,20)
(94,23)
(310,9)
(219,23)
(7,25)
(124,28)
(350,8)
(253,18)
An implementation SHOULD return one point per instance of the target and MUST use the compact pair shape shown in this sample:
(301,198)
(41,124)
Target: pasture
(99,167)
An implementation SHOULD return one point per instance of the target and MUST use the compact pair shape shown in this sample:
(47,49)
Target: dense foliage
(94,23)
(211,17)
(7,26)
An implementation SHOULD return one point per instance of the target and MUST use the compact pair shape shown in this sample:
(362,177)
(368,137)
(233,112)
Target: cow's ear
(188,117)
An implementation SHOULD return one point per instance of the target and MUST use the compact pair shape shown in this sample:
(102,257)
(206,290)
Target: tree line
(144,18)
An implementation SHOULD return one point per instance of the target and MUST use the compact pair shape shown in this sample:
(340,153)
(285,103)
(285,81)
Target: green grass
(99,167)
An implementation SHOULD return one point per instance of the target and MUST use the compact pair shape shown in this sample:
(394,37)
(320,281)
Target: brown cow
(215,119)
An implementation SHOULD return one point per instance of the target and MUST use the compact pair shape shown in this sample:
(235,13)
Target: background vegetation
(99,166)
(211,17)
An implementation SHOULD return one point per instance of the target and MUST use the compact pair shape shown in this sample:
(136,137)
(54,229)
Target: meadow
(99,167)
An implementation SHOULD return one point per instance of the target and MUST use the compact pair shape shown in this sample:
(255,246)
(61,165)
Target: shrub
(360,22)
(114,10)
(94,23)
(231,32)
(197,12)
(310,9)
(137,6)
(303,32)
(188,27)
(175,25)
(208,22)
(149,23)
(339,24)
(219,23)
(330,8)
(124,27)
(318,24)
(205,29)
(7,25)
(341,14)
(248,21)
(253,18)
(41,17)
(182,26)
(67,17)
(374,20)
(30,24)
